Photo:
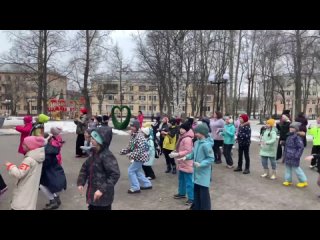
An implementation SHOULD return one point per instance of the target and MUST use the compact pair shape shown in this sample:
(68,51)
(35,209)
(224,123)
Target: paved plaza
(229,190)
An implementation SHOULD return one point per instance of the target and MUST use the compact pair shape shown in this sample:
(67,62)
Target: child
(147,166)
(25,194)
(314,131)
(87,142)
(228,134)
(138,153)
(268,149)
(3,186)
(244,141)
(25,131)
(56,141)
(82,125)
(38,126)
(100,171)
(315,157)
(53,179)
(203,156)
(292,154)
(185,168)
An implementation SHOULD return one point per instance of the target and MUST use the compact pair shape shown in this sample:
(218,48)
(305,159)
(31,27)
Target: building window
(313,101)
(131,88)
(288,93)
(33,108)
(308,102)
(131,98)
(154,108)
(184,108)
(182,100)
(142,98)
(25,108)
(314,93)
(131,107)
(281,102)
(122,97)
(152,88)
(183,88)
(310,110)
(150,98)
(142,88)
(110,97)
(154,98)
(207,109)
(142,108)
(208,98)
(164,108)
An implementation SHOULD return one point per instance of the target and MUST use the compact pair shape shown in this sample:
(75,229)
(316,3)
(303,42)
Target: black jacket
(100,171)
(283,129)
(244,134)
(52,175)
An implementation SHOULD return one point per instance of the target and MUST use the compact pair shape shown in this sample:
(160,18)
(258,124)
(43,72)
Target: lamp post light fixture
(212,80)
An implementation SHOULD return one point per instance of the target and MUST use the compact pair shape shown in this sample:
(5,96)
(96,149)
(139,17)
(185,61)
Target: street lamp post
(212,81)
(7,102)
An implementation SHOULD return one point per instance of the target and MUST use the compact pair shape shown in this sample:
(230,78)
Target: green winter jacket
(315,133)
(268,149)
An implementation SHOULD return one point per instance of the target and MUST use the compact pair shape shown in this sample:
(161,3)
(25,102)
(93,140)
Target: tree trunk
(236,77)
(298,63)
(231,49)
(86,74)
(45,79)
(40,73)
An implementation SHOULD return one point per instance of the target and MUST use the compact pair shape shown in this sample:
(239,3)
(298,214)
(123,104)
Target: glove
(173,155)
(196,164)
(182,159)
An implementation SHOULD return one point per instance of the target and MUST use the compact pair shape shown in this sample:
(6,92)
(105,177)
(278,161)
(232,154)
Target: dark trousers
(79,143)
(315,150)
(227,148)
(3,185)
(202,199)
(279,150)
(244,150)
(216,150)
(170,161)
(104,208)
(148,171)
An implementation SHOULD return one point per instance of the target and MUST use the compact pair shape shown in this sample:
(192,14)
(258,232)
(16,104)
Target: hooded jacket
(25,131)
(184,147)
(28,173)
(203,154)
(228,133)
(82,124)
(171,139)
(100,171)
(215,125)
(151,151)
(244,134)
(269,148)
(293,150)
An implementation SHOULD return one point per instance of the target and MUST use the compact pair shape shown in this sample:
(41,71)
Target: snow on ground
(67,126)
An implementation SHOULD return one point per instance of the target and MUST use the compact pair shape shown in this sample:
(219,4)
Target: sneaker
(286,183)
(264,175)
(150,178)
(145,188)
(189,202)
(302,184)
(218,162)
(246,171)
(273,177)
(178,196)
(229,166)
(238,170)
(312,166)
(52,205)
(131,191)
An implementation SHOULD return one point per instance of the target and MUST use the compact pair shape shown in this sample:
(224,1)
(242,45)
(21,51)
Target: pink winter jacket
(25,131)
(140,119)
(56,141)
(184,147)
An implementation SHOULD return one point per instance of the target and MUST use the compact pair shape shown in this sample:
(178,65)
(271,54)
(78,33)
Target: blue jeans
(185,184)
(135,175)
(300,174)
(264,161)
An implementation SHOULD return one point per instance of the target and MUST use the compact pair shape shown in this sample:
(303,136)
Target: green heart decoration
(120,125)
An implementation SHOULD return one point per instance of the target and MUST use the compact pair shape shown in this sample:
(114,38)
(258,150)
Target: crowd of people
(190,148)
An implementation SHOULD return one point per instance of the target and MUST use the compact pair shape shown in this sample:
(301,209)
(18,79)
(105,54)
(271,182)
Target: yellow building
(18,89)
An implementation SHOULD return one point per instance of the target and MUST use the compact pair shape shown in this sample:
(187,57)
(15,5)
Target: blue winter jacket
(203,154)
(293,150)
(229,133)
(244,134)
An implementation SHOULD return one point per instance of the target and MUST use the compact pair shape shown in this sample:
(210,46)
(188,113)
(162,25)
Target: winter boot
(52,205)
(174,169)
(168,169)
(273,176)
(266,173)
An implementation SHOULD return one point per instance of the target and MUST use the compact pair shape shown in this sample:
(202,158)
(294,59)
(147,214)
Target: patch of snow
(119,132)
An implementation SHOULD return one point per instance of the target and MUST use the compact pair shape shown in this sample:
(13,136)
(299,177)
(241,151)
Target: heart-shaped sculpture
(120,125)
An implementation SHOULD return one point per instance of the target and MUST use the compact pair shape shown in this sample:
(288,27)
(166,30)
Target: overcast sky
(123,37)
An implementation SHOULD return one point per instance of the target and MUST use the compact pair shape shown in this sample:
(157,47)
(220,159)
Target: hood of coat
(27,119)
(190,133)
(106,134)
(37,154)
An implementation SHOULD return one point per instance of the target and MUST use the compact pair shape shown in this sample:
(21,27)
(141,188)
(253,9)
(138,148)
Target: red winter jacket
(25,131)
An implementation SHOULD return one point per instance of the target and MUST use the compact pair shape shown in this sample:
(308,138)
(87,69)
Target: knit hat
(105,118)
(146,131)
(186,126)
(286,112)
(136,124)
(99,119)
(173,121)
(271,122)
(34,142)
(244,117)
(202,129)
(55,131)
(84,110)
(42,118)
(295,125)
(97,137)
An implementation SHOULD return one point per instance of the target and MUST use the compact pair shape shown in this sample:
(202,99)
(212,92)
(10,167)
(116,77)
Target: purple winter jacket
(293,150)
